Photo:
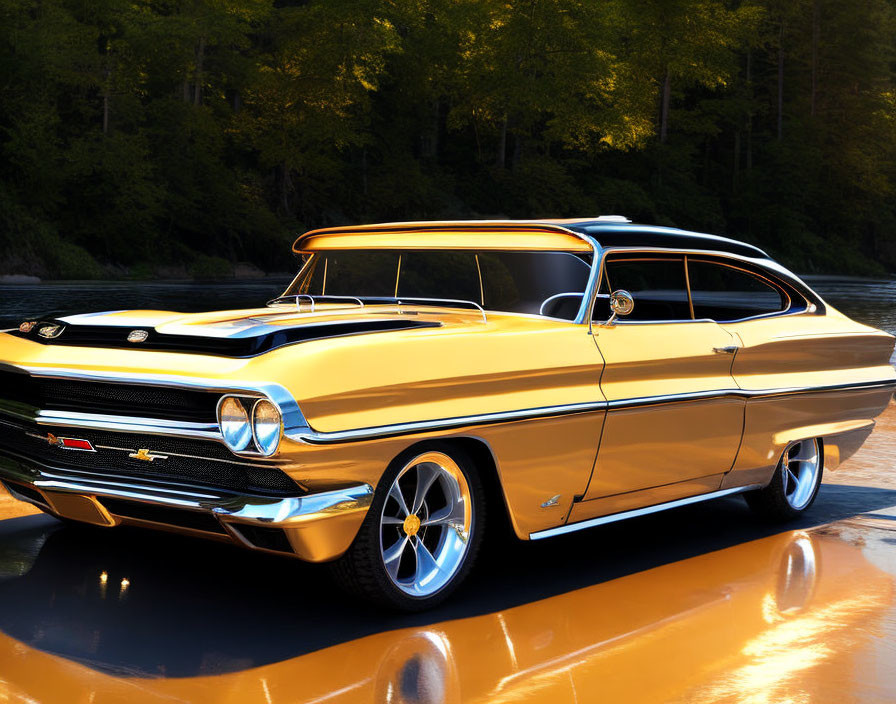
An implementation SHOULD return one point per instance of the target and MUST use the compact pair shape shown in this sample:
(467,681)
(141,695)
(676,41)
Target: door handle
(730,349)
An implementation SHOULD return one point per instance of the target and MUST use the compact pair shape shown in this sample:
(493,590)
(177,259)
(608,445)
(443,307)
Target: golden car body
(573,419)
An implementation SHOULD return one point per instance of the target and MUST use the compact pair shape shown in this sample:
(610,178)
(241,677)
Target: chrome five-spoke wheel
(425,524)
(795,483)
(422,531)
(799,473)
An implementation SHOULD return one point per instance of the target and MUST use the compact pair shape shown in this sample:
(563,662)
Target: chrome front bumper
(317,527)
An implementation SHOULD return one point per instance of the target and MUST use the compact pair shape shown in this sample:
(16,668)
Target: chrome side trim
(297,429)
(321,438)
(381,431)
(656,508)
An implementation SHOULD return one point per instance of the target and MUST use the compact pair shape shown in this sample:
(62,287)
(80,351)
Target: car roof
(553,234)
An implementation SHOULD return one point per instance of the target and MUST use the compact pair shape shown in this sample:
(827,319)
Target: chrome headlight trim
(235,424)
(267,426)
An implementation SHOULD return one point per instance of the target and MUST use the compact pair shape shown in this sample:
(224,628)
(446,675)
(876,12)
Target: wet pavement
(700,604)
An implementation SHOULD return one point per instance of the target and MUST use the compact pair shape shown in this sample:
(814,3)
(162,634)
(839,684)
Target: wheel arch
(483,457)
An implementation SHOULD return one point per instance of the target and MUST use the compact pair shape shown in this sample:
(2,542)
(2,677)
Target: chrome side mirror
(621,303)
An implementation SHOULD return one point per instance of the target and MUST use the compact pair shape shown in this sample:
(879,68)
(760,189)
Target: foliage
(194,134)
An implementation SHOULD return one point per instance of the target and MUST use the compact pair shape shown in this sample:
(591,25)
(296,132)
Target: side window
(724,293)
(658,286)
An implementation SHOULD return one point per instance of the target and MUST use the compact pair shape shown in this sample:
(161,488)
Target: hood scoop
(266,338)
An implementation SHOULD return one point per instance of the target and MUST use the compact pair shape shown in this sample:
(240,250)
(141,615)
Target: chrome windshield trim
(656,508)
(584,314)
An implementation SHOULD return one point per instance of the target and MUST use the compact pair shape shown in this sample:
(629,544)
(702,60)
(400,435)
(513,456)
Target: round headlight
(266,426)
(234,422)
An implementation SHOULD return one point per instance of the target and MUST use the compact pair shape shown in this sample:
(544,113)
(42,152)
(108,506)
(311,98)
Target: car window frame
(791,293)
(787,298)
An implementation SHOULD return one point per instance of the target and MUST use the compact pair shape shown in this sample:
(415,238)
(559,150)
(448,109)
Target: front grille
(182,518)
(114,399)
(198,463)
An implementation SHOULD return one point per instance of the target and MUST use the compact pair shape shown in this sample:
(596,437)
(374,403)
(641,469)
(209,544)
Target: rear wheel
(421,533)
(794,485)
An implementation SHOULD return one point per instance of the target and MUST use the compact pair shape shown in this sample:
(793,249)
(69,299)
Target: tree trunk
(197,81)
(285,188)
(501,158)
(735,171)
(781,82)
(816,31)
(106,73)
(749,139)
(364,170)
(664,107)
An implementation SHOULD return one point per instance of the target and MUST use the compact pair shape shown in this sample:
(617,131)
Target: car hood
(237,333)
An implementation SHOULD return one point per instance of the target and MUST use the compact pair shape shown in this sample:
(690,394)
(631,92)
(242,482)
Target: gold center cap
(411,525)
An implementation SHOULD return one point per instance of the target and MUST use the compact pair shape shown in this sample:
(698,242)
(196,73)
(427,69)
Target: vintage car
(419,383)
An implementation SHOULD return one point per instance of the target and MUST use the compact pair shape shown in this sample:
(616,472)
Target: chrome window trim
(634,513)
(776,269)
(304,433)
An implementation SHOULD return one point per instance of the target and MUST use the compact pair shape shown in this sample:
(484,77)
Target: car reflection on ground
(95,617)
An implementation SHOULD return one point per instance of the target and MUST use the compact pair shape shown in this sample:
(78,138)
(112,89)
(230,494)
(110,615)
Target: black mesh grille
(116,399)
(193,462)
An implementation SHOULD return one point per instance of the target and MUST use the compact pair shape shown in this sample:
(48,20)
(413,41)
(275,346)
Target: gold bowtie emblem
(52,439)
(411,525)
(146,455)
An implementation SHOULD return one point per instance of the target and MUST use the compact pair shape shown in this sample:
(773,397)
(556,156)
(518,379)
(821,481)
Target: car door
(672,421)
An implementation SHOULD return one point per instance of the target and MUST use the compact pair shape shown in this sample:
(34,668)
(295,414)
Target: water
(28,301)
(870,301)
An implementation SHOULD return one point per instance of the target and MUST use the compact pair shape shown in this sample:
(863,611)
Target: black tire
(361,570)
(771,503)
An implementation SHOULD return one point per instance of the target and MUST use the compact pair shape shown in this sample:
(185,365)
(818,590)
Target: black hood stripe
(115,337)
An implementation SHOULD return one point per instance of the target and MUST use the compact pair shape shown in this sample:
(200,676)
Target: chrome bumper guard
(318,527)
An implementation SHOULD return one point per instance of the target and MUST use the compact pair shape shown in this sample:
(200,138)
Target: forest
(195,138)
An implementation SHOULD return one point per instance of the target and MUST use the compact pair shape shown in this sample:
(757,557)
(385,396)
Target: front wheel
(421,533)
(794,485)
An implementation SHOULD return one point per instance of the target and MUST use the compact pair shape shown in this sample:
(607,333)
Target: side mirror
(621,303)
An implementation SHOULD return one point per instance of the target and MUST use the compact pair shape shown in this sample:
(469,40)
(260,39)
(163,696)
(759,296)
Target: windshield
(541,283)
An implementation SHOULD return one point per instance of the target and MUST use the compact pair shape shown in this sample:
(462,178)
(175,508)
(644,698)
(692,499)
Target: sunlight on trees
(172,131)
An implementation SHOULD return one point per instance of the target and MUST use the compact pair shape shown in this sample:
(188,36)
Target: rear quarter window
(725,293)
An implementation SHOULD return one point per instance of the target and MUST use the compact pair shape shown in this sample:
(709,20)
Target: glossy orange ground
(702,604)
